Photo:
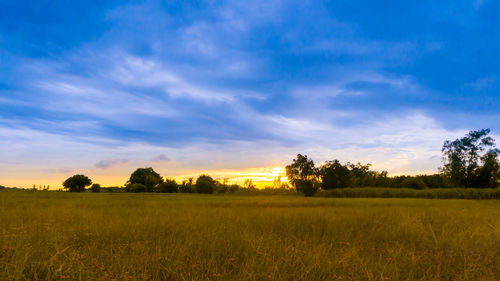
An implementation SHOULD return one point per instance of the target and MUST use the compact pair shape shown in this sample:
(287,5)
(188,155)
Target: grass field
(110,236)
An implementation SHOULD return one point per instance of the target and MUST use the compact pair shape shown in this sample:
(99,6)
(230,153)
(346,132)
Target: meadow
(147,236)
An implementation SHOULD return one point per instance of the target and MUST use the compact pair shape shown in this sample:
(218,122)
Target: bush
(413,182)
(2,187)
(205,184)
(135,187)
(169,186)
(430,193)
(95,187)
(306,187)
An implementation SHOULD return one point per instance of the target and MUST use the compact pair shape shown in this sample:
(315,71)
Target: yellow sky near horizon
(261,177)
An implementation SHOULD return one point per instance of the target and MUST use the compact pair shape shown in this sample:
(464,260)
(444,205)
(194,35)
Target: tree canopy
(472,161)
(303,175)
(77,183)
(205,184)
(147,177)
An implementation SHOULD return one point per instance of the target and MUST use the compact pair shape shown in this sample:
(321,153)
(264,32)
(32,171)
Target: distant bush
(205,184)
(412,182)
(2,187)
(95,187)
(306,187)
(439,193)
(266,191)
(168,186)
(112,189)
(135,187)
(225,188)
(187,186)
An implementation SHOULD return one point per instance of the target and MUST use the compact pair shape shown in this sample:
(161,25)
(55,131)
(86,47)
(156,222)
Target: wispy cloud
(103,164)
(242,84)
(161,158)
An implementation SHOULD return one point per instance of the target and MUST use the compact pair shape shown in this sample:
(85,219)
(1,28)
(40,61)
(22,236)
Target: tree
(205,184)
(489,172)
(147,177)
(248,183)
(334,175)
(303,175)
(461,160)
(187,186)
(95,187)
(2,187)
(168,186)
(77,183)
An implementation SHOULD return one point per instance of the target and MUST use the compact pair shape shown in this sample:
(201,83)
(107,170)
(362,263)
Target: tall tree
(334,175)
(303,175)
(463,158)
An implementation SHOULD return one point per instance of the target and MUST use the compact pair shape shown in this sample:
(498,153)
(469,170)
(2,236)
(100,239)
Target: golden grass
(111,236)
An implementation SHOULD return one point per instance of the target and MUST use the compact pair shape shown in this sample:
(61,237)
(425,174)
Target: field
(111,236)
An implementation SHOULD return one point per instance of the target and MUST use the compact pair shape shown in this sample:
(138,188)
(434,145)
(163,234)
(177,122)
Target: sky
(236,89)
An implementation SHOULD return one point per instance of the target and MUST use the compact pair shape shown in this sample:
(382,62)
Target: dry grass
(55,235)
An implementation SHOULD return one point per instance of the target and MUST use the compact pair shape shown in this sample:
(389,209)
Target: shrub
(413,182)
(187,186)
(431,193)
(306,187)
(205,184)
(169,186)
(135,187)
(95,187)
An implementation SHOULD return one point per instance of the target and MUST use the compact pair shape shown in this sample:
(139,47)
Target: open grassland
(110,236)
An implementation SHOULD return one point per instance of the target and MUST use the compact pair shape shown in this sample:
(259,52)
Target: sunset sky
(236,89)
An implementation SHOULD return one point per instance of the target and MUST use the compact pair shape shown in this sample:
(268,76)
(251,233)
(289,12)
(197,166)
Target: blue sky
(236,88)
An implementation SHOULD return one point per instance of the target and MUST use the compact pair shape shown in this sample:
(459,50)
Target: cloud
(104,164)
(161,158)
(243,84)
(482,83)
(58,171)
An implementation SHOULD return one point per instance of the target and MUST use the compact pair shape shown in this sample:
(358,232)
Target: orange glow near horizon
(261,177)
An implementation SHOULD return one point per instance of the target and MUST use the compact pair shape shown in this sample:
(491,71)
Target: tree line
(471,161)
(148,180)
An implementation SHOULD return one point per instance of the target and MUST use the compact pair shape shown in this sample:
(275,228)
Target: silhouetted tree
(2,187)
(334,175)
(248,183)
(489,173)
(303,175)
(95,187)
(77,183)
(187,186)
(461,160)
(147,177)
(168,186)
(205,184)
